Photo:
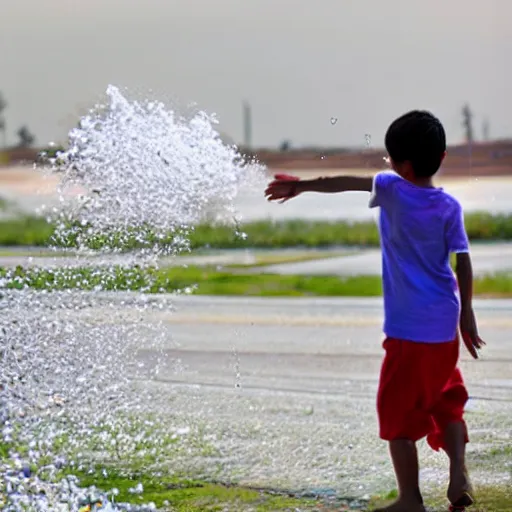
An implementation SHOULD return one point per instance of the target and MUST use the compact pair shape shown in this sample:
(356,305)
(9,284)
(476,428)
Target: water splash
(70,360)
(236,368)
(140,166)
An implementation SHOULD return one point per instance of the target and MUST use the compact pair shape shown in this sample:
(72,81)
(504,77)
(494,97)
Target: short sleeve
(382,190)
(456,236)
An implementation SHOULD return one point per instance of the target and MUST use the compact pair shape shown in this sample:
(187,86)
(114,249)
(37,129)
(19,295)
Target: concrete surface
(274,392)
(487,259)
(286,389)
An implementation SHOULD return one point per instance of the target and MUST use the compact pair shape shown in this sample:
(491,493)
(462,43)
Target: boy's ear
(443,156)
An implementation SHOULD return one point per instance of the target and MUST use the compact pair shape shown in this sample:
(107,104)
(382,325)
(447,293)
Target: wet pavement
(285,390)
(313,345)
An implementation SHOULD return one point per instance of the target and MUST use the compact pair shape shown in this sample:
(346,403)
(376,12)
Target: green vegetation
(181,495)
(211,281)
(125,467)
(262,234)
(30,231)
(49,154)
(190,495)
(208,280)
(4,450)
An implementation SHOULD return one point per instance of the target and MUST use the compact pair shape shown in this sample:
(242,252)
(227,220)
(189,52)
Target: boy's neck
(422,182)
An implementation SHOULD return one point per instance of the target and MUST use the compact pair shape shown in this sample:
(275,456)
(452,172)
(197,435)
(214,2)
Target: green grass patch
(211,281)
(494,285)
(4,450)
(183,495)
(292,233)
(504,451)
(26,230)
(189,495)
(261,234)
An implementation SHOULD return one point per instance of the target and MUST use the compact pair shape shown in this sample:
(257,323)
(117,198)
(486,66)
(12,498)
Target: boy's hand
(469,332)
(283,187)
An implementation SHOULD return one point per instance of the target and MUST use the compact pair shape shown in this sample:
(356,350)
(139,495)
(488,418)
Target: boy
(421,390)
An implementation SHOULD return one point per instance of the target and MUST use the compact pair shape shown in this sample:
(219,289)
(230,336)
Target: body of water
(475,194)
(29,191)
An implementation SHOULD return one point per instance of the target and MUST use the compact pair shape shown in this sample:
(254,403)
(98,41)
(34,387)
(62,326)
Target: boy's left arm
(458,243)
(468,326)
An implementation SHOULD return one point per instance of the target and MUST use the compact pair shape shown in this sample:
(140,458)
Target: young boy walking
(421,390)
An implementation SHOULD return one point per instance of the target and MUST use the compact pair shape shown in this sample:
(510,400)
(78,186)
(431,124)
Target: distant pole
(247,125)
(467,123)
(3,106)
(485,129)
(4,133)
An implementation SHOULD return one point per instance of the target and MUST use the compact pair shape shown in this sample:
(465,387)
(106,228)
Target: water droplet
(146,177)
(334,120)
(238,378)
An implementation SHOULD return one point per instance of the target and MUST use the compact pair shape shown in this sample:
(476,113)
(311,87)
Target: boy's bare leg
(405,461)
(455,446)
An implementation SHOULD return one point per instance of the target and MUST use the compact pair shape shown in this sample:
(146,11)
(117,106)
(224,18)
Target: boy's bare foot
(403,506)
(460,491)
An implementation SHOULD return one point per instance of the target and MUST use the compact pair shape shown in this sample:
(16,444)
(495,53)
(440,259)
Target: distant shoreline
(482,159)
(23,179)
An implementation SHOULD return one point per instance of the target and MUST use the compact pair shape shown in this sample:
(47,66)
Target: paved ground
(487,259)
(34,256)
(274,392)
(319,342)
(286,388)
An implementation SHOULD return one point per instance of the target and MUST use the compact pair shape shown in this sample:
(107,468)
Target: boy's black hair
(417,137)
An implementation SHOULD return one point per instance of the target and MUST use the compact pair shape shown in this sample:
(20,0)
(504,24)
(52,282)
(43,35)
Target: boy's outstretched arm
(468,327)
(285,187)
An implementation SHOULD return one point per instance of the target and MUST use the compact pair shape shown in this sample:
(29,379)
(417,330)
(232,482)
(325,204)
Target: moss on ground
(182,495)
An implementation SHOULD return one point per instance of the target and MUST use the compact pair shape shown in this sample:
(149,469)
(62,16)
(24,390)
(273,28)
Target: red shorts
(421,391)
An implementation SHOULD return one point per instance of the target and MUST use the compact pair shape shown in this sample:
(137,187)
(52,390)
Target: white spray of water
(68,359)
(141,166)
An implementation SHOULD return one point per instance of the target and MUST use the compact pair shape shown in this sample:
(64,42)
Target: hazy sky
(299,62)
